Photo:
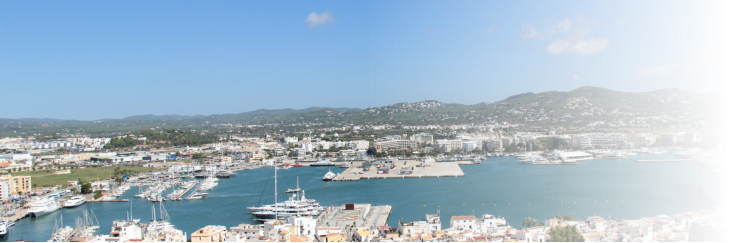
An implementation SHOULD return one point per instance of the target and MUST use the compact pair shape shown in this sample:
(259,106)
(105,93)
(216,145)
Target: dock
(188,189)
(664,160)
(404,169)
(193,192)
(362,215)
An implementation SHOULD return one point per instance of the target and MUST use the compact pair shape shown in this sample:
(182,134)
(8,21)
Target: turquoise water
(616,188)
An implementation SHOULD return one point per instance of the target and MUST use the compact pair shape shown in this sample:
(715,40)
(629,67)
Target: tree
(569,217)
(86,188)
(529,222)
(97,195)
(557,216)
(565,234)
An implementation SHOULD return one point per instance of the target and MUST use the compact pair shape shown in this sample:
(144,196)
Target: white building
(644,139)
(4,190)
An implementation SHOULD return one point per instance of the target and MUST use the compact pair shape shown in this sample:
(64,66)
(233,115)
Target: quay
(403,169)
(114,200)
(193,192)
(188,189)
(361,215)
(663,160)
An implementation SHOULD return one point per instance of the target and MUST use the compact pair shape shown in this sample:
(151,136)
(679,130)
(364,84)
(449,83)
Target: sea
(499,186)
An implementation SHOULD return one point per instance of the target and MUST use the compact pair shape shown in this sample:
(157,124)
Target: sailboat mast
(275,190)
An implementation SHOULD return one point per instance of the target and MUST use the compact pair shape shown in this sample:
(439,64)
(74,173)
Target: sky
(90,60)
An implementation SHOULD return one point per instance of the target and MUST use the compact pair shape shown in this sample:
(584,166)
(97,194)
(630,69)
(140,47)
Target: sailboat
(297,187)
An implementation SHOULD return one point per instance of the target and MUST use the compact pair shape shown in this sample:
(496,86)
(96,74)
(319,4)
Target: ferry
(323,163)
(329,176)
(43,206)
(712,175)
(75,202)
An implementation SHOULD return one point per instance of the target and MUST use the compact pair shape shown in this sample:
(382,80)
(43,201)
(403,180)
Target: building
(384,145)
(5,190)
(494,145)
(644,139)
(463,222)
(447,145)
(693,137)
(18,184)
(422,138)
(210,233)
(600,140)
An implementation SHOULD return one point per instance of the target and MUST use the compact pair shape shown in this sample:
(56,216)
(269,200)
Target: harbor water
(501,186)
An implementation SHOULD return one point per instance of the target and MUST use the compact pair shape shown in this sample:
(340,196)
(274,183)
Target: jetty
(193,191)
(402,169)
(664,160)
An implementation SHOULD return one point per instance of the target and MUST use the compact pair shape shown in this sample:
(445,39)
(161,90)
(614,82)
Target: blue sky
(91,60)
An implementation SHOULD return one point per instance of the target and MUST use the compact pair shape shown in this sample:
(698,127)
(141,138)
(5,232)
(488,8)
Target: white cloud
(576,77)
(657,71)
(492,28)
(703,58)
(315,20)
(569,36)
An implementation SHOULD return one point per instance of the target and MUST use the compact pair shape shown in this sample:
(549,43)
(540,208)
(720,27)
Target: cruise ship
(75,202)
(43,206)
(711,174)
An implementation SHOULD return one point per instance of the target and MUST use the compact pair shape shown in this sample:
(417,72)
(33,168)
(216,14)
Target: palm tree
(529,222)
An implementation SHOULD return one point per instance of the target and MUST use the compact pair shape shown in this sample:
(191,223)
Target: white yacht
(296,205)
(329,176)
(3,229)
(75,202)
(43,206)
(322,163)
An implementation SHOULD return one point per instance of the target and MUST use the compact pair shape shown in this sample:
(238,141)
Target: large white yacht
(43,206)
(712,175)
(294,206)
(75,202)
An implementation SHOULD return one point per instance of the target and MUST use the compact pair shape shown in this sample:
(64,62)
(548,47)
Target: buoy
(606,200)
(464,205)
(494,204)
(530,204)
(423,205)
(483,204)
(595,201)
(509,203)
(438,205)
(575,202)
(561,201)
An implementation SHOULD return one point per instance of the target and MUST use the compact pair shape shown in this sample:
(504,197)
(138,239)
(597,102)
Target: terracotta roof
(463,217)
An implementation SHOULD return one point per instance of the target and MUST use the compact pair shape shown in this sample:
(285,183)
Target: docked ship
(43,206)
(345,165)
(329,176)
(711,174)
(75,202)
(3,229)
(322,163)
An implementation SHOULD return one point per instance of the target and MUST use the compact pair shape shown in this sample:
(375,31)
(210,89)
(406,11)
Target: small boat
(298,165)
(345,165)
(297,187)
(329,176)
(197,196)
(477,160)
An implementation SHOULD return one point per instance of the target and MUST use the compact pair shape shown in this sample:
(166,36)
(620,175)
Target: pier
(404,169)
(188,189)
(664,160)
(193,192)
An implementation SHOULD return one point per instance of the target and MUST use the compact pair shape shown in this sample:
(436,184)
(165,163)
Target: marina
(642,190)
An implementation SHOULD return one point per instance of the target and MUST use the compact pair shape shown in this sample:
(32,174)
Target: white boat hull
(41,213)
